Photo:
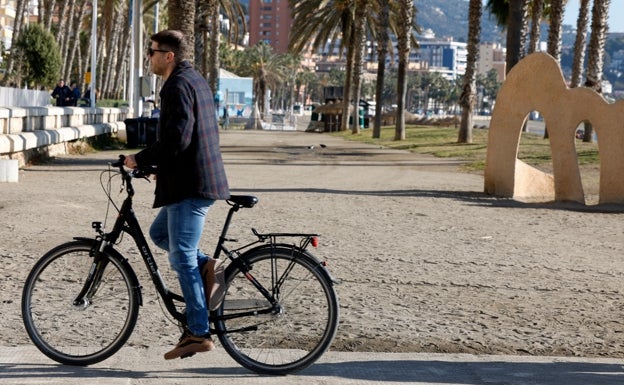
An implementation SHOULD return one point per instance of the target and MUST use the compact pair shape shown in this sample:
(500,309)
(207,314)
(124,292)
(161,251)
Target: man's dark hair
(174,41)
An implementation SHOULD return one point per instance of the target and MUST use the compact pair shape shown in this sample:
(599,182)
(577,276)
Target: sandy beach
(426,261)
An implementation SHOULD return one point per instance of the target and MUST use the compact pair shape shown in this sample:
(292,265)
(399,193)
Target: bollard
(9,170)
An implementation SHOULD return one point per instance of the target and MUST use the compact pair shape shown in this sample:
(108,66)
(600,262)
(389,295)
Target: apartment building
(444,56)
(7,18)
(492,56)
(270,21)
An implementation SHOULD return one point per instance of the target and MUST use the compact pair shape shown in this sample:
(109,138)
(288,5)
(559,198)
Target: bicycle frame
(127,222)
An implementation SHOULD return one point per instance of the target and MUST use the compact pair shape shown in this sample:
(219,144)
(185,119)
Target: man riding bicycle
(191,177)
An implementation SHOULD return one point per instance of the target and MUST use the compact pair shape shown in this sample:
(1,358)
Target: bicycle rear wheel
(74,331)
(285,337)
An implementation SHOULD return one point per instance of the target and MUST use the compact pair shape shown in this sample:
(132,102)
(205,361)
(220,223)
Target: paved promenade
(25,365)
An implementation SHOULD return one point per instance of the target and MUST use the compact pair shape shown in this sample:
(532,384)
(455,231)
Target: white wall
(17,97)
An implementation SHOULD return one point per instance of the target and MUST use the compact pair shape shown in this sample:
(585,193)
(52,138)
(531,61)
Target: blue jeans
(177,229)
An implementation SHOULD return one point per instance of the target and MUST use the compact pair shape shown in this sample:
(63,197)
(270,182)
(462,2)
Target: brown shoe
(189,345)
(214,283)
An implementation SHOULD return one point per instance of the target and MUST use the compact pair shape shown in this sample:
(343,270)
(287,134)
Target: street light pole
(136,55)
(93,52)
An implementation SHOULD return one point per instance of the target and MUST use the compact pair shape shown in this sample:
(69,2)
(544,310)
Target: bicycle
(80,302)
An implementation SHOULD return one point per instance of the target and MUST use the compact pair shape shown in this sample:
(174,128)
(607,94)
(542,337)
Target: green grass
(442,142)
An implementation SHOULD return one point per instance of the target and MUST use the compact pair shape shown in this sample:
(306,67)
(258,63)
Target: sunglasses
(150,51)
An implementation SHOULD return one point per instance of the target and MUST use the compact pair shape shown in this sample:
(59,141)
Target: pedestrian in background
(75,94)
(62,94)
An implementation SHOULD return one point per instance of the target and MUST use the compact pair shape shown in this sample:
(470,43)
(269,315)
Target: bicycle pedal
(187,355)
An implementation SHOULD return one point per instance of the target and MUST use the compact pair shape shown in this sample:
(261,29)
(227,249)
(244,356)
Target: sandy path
(426,261)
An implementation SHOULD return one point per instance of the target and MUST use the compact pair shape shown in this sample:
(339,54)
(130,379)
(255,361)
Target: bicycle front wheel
(289,335)
(75,322)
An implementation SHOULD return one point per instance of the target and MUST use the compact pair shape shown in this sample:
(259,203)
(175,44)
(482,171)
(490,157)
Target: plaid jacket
(187,151)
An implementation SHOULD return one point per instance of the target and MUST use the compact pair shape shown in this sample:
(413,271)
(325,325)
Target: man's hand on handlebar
(130,162)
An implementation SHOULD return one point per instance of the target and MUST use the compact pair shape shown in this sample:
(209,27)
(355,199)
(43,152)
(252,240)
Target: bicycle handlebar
(139,172)
(119,162)
(142,172)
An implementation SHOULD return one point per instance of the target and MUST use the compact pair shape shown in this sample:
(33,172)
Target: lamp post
(136,57)
(93,52)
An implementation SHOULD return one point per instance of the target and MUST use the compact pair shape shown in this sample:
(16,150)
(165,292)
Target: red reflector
(315,242)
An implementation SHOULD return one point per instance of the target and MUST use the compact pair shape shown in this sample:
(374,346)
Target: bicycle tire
(79,334)
(305,326)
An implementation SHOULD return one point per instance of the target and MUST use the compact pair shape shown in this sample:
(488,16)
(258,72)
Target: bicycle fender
(123,261)
(293,249)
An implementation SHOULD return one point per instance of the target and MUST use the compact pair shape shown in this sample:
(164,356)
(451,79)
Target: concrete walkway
(26,365)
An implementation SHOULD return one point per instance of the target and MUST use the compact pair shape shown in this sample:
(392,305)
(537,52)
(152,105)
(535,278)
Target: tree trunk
(537,10)
(214,63)
(346,94)
(17,28)
(554,31)
(516,32)
(596,54)
(86,64)
(74,53)
(201,33)
(111,60)
(403,42)
(49,13)
(467,98)
(61,26)
(65,39)
(554,35)
(360,42)
(382,52)
(180,12)
(579,44)
(123,57)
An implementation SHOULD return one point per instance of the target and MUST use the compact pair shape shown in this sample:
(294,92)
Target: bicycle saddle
(247,201)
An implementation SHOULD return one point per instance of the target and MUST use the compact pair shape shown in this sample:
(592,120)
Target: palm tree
(554,30)
(512,15)
(304,80)
(266,68)
(596,53)
(321,23)
(230,58)
(207,28)
(65,39)
(17,28)
(383,39)
(403,42)
(78,18)
(47,14)
(517,23)
(554,35)
(467,98)
(213,53)
(537,10)
(292,66)
(61,25)
(181,17)
(579,44)
(357,45)
(124,49)
(318,24)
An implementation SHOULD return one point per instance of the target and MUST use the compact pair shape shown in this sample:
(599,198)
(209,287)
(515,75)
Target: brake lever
(138,173)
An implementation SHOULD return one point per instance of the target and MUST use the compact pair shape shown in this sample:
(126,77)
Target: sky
(616,14)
